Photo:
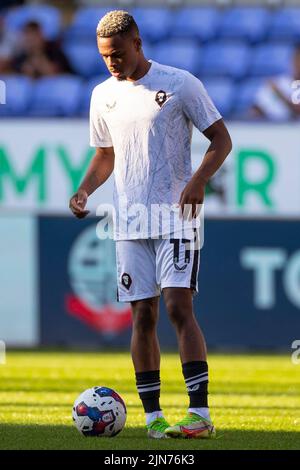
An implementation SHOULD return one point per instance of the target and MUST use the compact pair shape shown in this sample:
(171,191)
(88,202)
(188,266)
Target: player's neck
(141,70)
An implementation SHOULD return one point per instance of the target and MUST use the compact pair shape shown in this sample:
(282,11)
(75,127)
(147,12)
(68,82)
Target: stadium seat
(18,95)
(84,25)
(85,58)
(201,23)
(154,23)
(147,49)
(229,59)
(286,24)
(48,16)
(87,93)
(246,23)
(271,59)
(245,94)
(221,92)
(56,96)
(184,54)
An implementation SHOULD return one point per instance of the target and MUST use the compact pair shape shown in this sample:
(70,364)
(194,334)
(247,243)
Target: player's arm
(100,168)
(294,108)
(220,147)
(201,111)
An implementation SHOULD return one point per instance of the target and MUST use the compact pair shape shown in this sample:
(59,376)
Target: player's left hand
(193,194)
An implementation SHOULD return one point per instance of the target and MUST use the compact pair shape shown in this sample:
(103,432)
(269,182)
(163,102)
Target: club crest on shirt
(161,97)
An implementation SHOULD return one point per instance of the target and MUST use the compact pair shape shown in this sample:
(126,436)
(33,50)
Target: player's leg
(144,341)
(177,271)
(191,341)
(145,354)
(192,350)
(137,285)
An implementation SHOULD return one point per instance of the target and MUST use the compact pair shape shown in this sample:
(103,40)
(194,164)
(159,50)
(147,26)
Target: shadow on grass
(43,437)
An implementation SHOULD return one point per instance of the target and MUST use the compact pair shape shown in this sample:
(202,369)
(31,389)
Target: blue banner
(249,286)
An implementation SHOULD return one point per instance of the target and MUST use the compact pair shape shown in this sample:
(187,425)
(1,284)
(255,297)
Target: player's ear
(138,43)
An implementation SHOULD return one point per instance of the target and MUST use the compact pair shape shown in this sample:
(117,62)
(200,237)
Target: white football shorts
(146,266)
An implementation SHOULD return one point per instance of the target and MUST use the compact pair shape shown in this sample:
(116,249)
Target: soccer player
(141,122)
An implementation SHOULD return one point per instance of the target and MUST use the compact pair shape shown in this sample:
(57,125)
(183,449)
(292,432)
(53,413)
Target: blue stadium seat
(271,59)
(221,92)
(87,93)
(147,49)
(154,23)
(246,93)
(246,23)
(226,59)
(48,16)
(85,58)
(85,23)
(56,96)
(201,23)
(184,54)
(18,95)
(286,24)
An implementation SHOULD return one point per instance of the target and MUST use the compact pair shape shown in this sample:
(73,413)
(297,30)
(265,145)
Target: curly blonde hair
(116,22)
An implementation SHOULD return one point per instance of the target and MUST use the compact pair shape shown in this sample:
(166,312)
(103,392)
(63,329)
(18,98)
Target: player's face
(121,54)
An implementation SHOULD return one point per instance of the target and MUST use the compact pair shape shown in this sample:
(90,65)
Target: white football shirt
(149,123)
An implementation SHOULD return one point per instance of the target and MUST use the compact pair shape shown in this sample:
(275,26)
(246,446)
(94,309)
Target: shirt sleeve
(197,105)
(99,133)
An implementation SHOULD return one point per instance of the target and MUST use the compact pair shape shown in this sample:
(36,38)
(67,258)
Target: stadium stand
(229,59)
(178,53)
(222,93)
(271,59)
(85,59)
(56,96)
(84,24)
(49,17)
(286,24)
(246,92)
(249,24)
(154,23)
(208,17)
(232,49)
(19,92)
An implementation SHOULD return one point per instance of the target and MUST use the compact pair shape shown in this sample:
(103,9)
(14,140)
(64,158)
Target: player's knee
(177,313)
(144,318)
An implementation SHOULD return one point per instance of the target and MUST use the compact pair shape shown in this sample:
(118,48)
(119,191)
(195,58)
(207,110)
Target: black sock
(148,385)
(196,379)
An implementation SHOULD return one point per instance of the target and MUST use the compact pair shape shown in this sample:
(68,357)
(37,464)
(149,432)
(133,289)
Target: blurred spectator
(39,57)
(274,99)
(8,47)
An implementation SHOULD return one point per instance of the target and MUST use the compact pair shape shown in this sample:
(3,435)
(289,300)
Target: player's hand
(78,202)
(274,87)
(193,194)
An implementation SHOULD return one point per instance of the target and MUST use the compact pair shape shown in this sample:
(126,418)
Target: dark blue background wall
(239,305)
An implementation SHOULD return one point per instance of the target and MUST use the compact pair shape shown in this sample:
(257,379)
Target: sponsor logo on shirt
(111,106)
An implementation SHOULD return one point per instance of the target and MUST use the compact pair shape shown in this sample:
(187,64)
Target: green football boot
(192,426)
(156,429)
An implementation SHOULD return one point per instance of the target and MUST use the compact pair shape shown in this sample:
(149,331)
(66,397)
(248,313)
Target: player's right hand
(78,202)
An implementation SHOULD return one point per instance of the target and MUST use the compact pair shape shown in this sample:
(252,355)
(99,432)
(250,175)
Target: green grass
(255,401)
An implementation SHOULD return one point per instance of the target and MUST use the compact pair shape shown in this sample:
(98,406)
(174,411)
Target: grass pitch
(254,400)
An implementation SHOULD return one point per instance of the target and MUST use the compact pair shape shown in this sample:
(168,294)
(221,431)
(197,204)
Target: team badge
(126,280)
(161,97)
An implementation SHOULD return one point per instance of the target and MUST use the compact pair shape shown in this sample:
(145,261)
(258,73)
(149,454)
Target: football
(99,411)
